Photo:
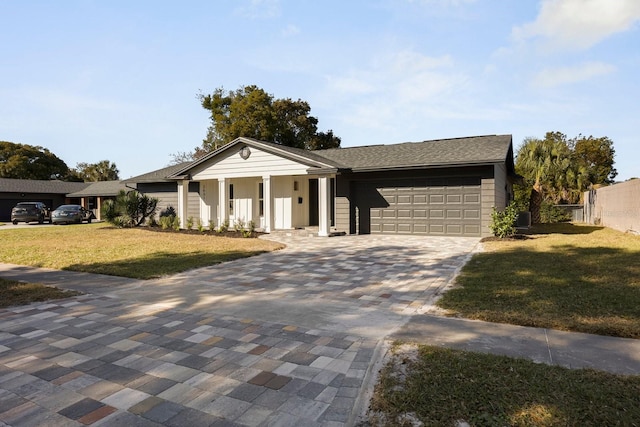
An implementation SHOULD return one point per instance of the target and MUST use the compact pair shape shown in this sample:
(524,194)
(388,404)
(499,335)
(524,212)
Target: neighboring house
(441,187)
(52,193)
(94,194)
(157,184)
(55,193)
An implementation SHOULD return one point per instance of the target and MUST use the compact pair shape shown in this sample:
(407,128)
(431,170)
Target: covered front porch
(249,184)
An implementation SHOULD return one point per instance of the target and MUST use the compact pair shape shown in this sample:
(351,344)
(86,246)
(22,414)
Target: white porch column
(183,198)
(268,206)
(324,206)
(222,201)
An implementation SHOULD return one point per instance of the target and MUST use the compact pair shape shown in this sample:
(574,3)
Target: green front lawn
(137,253)
(563,276)
(440,387)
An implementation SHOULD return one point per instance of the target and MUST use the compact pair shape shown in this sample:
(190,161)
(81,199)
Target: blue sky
(118,80)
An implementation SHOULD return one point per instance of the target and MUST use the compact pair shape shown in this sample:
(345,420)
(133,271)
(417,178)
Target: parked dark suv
(30,211)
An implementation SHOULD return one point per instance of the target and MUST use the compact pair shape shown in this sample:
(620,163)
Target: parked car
(30,211)
(71,214)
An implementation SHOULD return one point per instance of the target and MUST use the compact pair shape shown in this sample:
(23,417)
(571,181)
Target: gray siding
(487,195)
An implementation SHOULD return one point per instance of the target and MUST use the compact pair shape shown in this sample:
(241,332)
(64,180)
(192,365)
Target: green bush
(175,223)
(166,222)
(224,227)
(551,214)
(503,223)
(129,209)
(212,225)
(189,223)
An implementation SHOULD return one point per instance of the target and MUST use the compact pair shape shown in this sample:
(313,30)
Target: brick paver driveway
(280,339)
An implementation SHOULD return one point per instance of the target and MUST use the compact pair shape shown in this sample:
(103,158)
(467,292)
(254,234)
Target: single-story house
(54,193)
(442,187)
(93,195)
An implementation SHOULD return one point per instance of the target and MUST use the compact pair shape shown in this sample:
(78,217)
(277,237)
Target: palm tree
(543,164)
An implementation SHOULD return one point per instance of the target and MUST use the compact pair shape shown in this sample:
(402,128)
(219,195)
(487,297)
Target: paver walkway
(281,339)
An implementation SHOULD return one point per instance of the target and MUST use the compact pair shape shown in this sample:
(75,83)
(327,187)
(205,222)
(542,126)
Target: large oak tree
(22,161)
(252,112)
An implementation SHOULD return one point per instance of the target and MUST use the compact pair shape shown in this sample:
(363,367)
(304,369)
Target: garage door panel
(472,198)
(471,214)
(436,229)
(420,199)
(454,214)
(454,199)
(454,229)
(471,229)
(436,199)
(436,213)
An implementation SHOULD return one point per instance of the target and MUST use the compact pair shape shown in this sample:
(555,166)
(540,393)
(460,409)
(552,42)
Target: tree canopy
(252,112)
(104,170)
(558,170)
(22,161)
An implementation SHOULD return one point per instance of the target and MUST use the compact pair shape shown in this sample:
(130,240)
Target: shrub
(224,227)
(168,211)
(166,222)
(129,209)
(189,223)
(175,223)
(551,214)
(248,232)
(200,226)
(238,225)
(212,225)
(503,223)
(151,221)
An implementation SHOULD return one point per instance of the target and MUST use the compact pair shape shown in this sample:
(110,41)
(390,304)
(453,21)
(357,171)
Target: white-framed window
(231,199)
(261,198)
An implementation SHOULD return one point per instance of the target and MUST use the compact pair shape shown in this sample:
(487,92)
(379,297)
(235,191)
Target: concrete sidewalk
(568,349)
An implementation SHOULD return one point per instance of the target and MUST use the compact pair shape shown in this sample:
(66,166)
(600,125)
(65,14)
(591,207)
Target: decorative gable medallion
(245,152)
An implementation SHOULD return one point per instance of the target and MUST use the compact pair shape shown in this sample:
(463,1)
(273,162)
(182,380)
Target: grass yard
(18,293)
(135,253)
(563,276)
(441,386)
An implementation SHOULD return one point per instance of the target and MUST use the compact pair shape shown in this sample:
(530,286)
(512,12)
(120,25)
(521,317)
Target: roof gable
(304,158)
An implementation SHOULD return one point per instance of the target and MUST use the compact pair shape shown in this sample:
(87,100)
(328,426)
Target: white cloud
(404,85)
(580,24)
(552,77)
(259,9)
(290,30)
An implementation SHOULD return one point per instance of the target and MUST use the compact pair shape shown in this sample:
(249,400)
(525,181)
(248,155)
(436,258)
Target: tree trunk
(535,204)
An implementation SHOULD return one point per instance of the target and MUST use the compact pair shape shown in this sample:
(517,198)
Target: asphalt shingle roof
(440,152)
(9,185)
(159,175)
(100,188)
(456,151)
